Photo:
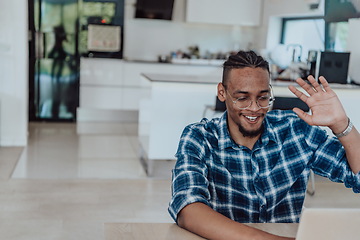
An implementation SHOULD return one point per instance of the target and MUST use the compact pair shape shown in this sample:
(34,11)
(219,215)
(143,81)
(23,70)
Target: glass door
(54,60)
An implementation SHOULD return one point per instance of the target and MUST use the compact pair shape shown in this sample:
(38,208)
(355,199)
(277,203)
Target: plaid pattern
(266,184)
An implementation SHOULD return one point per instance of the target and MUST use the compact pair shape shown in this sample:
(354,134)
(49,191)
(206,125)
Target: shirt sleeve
(189,182)
(330,160)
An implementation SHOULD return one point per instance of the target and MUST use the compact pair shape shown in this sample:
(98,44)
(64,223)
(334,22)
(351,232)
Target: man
(252,165)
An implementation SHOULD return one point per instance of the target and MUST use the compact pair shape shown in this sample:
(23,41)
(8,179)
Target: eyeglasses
(262,102)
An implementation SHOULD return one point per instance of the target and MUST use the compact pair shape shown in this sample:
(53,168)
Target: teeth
(251,118)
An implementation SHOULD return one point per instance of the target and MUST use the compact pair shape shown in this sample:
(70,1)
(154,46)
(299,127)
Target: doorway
(60,31)
(53,60)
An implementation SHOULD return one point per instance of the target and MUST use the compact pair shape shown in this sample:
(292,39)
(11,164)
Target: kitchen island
(177,100)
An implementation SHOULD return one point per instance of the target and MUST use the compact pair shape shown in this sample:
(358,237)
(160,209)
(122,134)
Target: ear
(221,94)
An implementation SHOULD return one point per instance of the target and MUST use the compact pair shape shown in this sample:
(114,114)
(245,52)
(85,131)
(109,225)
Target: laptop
(329,224)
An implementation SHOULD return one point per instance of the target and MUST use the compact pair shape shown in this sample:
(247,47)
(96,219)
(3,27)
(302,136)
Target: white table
(170,231)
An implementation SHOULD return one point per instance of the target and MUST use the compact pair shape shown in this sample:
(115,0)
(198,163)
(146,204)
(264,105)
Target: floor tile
(73,178)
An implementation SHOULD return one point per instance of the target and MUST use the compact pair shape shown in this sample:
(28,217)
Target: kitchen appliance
(154,9)
(334,66)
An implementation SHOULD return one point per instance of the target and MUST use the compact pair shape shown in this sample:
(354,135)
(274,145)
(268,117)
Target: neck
(239,138)
(246,141)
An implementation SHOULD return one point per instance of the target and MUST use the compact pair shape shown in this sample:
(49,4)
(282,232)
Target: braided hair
(243,59)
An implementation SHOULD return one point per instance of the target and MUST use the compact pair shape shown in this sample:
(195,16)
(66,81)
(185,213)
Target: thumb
(303,115)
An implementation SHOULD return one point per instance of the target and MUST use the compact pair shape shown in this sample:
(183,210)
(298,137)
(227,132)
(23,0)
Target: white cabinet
(101,72)
(100,97)
(172,106)
(101,83)
(232,12)
(113,85)
(136,87)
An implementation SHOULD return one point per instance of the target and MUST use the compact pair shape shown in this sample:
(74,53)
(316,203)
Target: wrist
(345,130)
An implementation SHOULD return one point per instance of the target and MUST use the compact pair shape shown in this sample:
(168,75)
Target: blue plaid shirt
(265,184)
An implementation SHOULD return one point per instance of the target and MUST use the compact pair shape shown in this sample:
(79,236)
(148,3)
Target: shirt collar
(268,134)
(226,141)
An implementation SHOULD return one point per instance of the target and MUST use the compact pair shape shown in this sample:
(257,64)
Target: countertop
(177,78)
(204,79)
(189,62)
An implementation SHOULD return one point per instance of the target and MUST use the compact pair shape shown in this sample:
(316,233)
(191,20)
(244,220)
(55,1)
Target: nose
(254,106)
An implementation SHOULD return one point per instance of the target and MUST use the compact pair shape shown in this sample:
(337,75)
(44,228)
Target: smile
(251,118)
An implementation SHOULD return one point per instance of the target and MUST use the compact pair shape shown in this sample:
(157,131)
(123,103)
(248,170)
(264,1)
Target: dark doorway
(53,60)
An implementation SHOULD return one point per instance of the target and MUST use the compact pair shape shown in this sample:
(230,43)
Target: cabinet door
(231,12)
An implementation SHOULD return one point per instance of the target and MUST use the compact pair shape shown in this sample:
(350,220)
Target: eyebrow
(245,92)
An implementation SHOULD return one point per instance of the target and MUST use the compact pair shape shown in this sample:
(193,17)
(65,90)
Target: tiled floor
(71,179)
(87,150)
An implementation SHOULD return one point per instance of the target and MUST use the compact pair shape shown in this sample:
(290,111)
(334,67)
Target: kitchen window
(336,36)
(309,33)
(315,34)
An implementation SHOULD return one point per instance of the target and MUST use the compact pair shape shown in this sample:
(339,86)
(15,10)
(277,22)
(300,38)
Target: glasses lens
(264,101)
(242,103)
(245,102)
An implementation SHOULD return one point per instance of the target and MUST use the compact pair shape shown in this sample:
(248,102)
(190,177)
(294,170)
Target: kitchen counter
(211,79)
(197,62)
(110,86)
(332,85)
(176,78)
(175,101)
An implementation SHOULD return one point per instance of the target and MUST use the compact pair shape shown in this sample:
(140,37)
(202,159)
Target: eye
(264,98)
(242,99)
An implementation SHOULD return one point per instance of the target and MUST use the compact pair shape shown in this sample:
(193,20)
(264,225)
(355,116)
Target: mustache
(253,114)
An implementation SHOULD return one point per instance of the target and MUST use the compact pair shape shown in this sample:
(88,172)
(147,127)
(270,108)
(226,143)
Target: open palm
(326,108)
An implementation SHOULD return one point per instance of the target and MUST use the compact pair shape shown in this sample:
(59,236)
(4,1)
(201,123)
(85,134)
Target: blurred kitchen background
(68,60)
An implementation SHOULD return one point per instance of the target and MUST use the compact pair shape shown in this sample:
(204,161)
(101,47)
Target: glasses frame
(271,100)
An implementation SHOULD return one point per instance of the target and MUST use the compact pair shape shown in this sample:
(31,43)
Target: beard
(251,134)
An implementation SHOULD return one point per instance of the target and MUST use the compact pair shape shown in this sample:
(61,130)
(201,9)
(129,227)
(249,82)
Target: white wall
(353,47)
(146,38)
(275,10)
(13,73)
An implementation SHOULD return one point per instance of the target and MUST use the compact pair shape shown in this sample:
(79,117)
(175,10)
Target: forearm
(351,144)
(204,221)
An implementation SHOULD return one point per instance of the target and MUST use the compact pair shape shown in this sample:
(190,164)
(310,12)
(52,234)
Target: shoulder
(197,137)
(286,121)
(202,128)
(278,115)
(204,132)
(281,117)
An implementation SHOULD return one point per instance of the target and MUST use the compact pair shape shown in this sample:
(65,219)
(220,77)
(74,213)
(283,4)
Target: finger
(303,115)
(325,84)
(315,84)
(307,87)
(298,94)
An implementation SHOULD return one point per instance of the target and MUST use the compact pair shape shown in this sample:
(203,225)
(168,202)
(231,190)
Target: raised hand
(326,108)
